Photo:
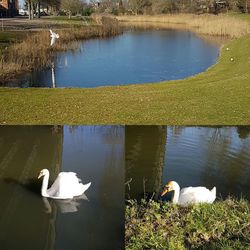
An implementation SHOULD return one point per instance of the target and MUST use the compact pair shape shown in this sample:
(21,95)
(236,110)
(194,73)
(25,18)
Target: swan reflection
(64,206)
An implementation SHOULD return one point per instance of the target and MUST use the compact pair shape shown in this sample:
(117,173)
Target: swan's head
(172,185)
(43,172)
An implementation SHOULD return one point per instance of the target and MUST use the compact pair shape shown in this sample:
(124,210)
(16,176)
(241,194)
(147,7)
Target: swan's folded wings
(66,185)
(195,195)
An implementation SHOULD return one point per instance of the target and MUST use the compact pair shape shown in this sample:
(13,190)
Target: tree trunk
(32,10)
(38,10)
(29,9)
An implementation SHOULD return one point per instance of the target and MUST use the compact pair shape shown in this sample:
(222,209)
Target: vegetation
(134,7)
(218,96)
(161,225)
(35,51)
(221,25)
(7,38)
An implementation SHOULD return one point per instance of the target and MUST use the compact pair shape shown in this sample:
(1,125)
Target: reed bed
(221,25)
(35,51)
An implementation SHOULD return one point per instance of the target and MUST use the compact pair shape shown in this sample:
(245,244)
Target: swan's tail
(213,194)
(84,187)
(214,191)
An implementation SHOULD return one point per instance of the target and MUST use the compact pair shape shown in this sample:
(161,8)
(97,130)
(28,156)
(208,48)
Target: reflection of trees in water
(227,160)
(107,149)
(243,131)
(145,152)
(24,152)
(108,134)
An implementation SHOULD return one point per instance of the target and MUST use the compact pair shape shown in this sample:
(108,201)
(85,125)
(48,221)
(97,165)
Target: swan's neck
(45,185)
(176,195)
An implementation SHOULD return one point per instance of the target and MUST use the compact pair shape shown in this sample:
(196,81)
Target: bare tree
(71,7)
(138,6)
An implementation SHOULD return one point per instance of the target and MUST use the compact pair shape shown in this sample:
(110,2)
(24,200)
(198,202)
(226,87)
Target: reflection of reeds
(35,51)
(220,25)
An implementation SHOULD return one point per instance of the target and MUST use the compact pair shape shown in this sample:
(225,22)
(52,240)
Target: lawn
(221,95)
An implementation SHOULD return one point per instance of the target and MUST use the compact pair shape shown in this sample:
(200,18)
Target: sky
(21,3)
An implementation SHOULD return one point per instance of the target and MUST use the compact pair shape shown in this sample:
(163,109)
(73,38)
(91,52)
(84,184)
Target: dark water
(134,57)
(29,222)
(192,156)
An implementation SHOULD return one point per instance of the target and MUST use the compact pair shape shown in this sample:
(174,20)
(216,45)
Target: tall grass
(35,51)
(221,25)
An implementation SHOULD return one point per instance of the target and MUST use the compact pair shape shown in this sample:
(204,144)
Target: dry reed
(221,25)
(35,51)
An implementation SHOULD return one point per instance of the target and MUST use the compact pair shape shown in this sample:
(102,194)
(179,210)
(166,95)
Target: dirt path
(22,23)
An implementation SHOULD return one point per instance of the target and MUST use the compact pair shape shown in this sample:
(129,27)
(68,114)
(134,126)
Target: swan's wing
(66,186)
(196,195)
(51,32)
(52,41)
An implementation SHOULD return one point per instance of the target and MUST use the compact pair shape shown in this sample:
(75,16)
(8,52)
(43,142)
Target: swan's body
(53,36)
(190,194)
(66,186)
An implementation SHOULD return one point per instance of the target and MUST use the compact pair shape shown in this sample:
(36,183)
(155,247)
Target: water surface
(95,153)
(138,56)
(192,156)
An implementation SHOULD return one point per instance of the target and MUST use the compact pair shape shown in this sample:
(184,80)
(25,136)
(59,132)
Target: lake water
(138,56)
(192,156)
(27,221)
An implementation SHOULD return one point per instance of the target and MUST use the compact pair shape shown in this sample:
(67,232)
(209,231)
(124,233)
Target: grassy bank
(220,95)
(8,38)
(221,225)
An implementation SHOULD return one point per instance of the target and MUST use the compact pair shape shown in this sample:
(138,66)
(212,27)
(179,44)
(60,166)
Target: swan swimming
(53,36)
(66,186)
(190,194)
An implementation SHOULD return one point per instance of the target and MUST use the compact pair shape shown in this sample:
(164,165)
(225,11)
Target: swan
(66,185)
(53,36)
(190,194)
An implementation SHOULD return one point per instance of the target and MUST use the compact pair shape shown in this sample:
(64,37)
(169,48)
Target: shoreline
(218,96)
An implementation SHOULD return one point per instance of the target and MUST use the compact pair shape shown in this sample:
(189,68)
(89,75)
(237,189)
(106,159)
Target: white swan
(66,185)
(53,36)
(190,194)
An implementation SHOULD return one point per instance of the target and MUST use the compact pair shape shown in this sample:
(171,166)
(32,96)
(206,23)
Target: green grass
(221,95)
(155,225)
(9,37)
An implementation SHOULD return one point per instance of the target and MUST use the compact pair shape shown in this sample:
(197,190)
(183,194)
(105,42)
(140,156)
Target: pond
(192,156)
(95,153)
(136,56)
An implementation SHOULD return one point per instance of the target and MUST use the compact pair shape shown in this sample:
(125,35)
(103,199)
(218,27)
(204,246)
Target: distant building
(8,8)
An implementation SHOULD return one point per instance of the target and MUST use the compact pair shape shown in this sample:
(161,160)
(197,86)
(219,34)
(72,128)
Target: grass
(10,37)
(158,225)
(221,95)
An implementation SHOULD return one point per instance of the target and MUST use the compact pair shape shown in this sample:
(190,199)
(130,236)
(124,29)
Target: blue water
(133,57)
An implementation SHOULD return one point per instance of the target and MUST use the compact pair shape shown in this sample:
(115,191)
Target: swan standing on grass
(66,185)
(190,194)
(53,36)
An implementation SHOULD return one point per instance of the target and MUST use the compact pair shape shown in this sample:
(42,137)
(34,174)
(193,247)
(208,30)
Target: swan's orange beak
(40,175)
(165,190)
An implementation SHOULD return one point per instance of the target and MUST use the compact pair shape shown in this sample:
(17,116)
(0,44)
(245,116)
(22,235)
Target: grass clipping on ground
(162,225)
